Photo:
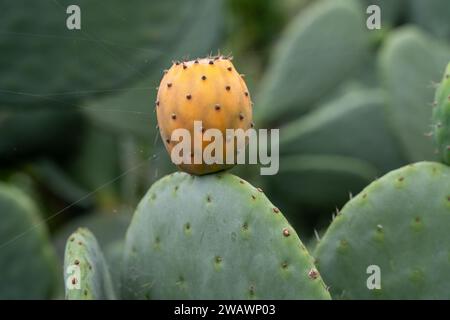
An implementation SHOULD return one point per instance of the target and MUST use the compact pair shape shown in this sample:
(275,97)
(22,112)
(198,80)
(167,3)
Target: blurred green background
(78,138)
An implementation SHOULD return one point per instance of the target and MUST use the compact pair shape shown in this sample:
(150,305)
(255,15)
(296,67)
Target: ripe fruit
(209,90)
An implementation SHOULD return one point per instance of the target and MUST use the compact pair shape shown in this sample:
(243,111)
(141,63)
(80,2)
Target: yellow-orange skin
(208,90)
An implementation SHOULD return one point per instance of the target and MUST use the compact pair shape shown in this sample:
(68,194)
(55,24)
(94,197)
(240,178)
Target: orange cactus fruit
(209,90)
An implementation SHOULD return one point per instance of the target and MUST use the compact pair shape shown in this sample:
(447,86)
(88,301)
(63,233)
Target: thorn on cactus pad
(259,189)
(76,262)
(313,274)
(286,232)
(276,210)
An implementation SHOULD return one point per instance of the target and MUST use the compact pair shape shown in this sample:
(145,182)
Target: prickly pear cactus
(441,117)
(398,223)
(27,261)
(214,237)
(85,271)
(209,90)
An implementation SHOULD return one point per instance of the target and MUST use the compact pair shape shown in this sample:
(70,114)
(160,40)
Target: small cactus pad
(85,271)
(441,117)
(209,90)
(214,237)
(398,224)
(28,266)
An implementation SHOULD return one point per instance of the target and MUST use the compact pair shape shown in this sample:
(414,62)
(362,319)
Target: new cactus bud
(209,90)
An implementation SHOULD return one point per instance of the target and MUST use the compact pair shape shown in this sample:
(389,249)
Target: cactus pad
(93,281)
(441,117)
(27,261)
(400,224)
(214,237)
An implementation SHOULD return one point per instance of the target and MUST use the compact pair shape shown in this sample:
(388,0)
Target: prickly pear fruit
(441,117)
(86,274)
(214,237)
(391,241)
(209,90)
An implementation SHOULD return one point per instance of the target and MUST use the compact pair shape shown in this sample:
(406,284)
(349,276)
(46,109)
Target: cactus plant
(214,237)
(209,90)
(409,63)
(398,223)
(441,117)
(27,260)
(282,92)
(85,271)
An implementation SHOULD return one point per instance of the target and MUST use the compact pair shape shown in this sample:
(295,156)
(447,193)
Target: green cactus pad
(295,79)
(42,57)
(431,15)
(441,117)
(93,281)
(214,237)
(409,63)
(400,224)
(353,125)
(28,266)
(320,181)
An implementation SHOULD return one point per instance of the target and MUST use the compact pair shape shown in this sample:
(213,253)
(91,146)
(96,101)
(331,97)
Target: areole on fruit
(209,90)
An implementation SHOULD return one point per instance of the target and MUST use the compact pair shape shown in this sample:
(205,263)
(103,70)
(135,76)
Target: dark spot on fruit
(169,85)
(189,97)
(242,75)
(211,62)
(184,66)
(196,61)
(252,125)
(168,141)
(229,68)
(228,88)
(241,116)
(177,63)
(203,77)
(246,93)
(286,232)
(276,210)
(157,102)
(217,107)
(165,71)
(174,116)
